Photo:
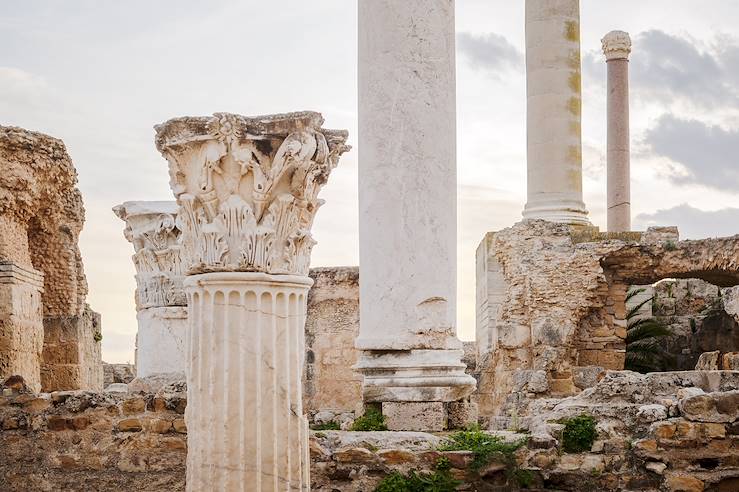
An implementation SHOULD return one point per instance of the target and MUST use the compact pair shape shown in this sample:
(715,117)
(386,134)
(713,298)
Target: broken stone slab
(155,382)
(117,388)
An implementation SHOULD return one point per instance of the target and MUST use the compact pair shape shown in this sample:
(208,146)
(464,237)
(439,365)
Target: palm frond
(634,292)
(634,310)
(648,330)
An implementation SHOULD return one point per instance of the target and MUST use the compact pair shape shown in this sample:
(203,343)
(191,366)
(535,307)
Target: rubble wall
(659,432)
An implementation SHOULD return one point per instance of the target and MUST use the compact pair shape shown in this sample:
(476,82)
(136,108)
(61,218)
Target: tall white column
(407,202)
(247,189)
(161,306)
(554,100)
(616,48)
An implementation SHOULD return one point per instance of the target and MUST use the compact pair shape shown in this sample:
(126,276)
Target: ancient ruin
(49,336)
(602,360)
(160,299)
(247,188)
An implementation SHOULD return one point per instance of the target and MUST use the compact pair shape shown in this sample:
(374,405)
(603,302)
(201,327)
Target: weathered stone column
(616,47)
(161,305)
(407,203)
(553,95)
(247,190)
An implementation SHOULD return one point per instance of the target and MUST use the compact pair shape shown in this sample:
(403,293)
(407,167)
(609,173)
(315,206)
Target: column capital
(248,188)
(616,45)
(151,228)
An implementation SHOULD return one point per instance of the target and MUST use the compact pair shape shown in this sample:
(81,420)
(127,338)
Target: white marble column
(554,100)
(407,202)
(247,189)
(161,306)
(616,48)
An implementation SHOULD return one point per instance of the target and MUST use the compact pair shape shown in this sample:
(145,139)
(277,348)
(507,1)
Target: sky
(99,74)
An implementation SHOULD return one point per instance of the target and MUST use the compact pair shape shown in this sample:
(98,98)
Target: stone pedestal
(554,107)
(407,203)
(21,323)
(160,300)
(244,412)
(616,48)
(160,340)
(247,188)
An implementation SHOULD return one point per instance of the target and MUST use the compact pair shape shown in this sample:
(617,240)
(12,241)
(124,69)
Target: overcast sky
(100,73)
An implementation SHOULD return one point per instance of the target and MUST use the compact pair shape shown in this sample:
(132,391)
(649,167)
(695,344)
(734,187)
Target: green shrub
(483,446)
(524,478)
(98,337)
(327,426)
(439,481)
(372,420)
(578,434)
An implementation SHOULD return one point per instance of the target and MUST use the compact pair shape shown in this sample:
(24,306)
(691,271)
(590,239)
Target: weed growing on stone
(439,481)
(327,426)
(483,446)
(372,420)
(578,434)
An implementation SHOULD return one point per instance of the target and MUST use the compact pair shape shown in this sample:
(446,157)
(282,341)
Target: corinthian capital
(248,188)
(616,45)
(152,229)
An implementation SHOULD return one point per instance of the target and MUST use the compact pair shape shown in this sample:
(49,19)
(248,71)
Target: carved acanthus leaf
(248,188)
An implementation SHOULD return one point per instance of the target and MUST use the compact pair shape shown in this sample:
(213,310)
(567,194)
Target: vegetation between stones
(643,350)
(372,420)
(579,433)
(439,481)
(327,426)
(484,447)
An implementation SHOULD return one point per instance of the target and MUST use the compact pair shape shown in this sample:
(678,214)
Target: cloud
(693,223)
(709,154)
(666,67)
(489,52)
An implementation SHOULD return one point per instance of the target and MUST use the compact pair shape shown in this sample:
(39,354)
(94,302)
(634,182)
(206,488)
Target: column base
(562,211)
(414,376)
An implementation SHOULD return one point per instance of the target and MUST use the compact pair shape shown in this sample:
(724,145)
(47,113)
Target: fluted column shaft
(554,112)
(246,343)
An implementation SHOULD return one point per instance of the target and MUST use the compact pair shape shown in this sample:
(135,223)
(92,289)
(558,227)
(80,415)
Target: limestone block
(160,340)
(652,413)
(415,416)
(721,406)
(730,361)
(708,361)
(72,353)
(587,376)
(21,324)
(462,414)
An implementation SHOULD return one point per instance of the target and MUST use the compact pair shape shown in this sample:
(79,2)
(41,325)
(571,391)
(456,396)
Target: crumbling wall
(562,319)
(41,216)
(332,324)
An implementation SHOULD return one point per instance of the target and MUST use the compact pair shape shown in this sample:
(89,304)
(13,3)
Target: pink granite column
(616,47)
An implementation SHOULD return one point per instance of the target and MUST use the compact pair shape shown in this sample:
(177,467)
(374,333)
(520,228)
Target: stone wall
(81,441)
(41,217)
(551,302)
(332,324)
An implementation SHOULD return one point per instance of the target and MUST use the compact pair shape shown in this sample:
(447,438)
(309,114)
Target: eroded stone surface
(41,216)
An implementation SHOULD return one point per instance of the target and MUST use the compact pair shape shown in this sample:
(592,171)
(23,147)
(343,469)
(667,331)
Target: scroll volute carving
(248,188)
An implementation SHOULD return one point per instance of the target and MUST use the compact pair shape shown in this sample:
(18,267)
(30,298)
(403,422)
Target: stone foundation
(660,432)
